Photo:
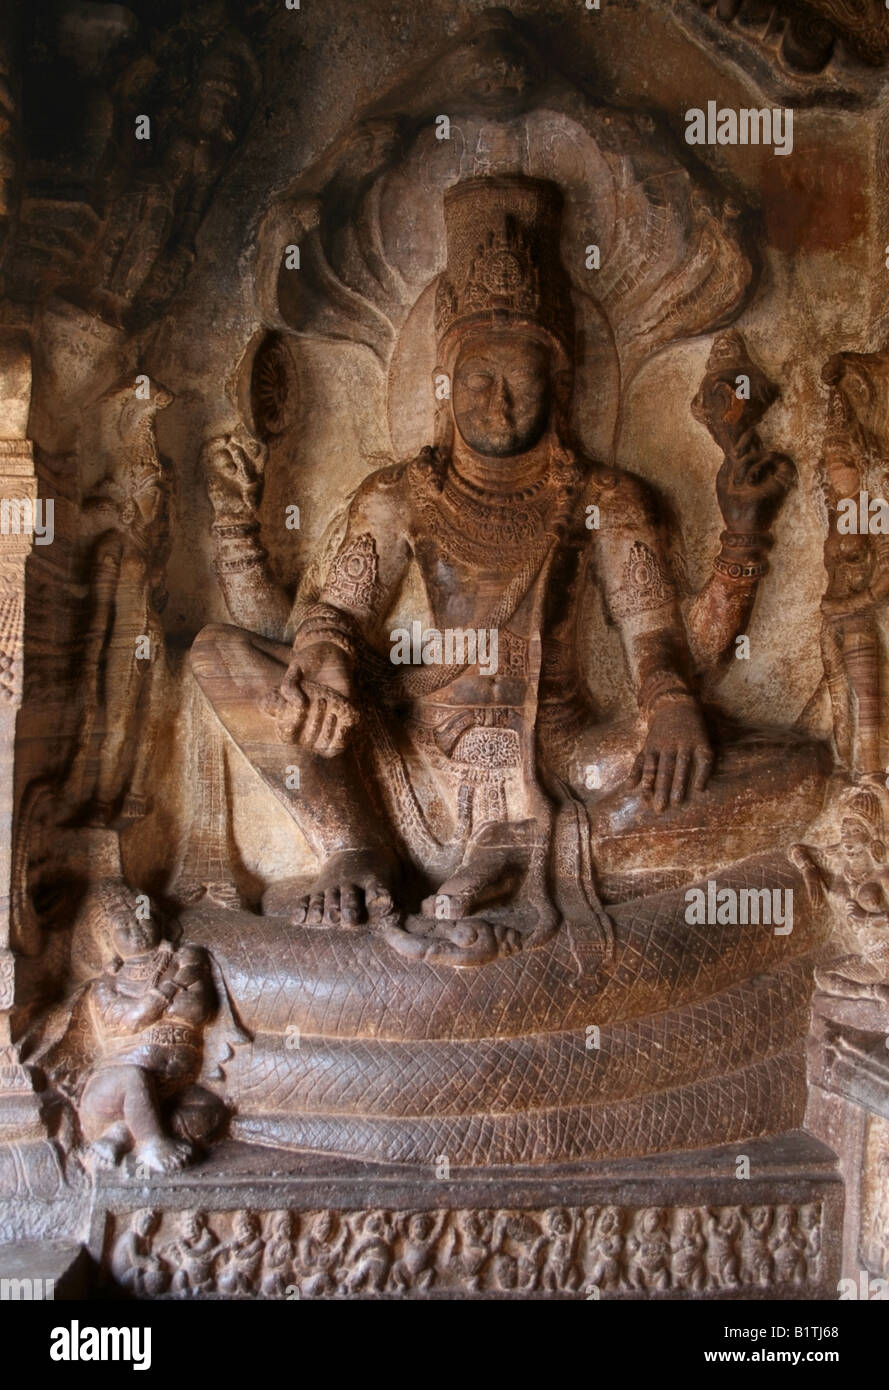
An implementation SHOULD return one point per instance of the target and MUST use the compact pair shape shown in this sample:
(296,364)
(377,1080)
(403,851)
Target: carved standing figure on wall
(147,248)
(415,1267)
(688,1266)
(280,1256)
(854,874)
(123,651)
(604,1247)
(648,1251)
(723,1261)
(756,1255)
(854,467)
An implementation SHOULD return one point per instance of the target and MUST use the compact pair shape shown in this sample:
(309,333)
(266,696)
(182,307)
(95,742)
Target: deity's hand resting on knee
(314,705)
(677,757)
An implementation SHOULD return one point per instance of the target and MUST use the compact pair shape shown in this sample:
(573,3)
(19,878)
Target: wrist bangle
(737,569)
(672,697)
(234,528)
(747,540)
(315,636)
(240,563)
(663,685)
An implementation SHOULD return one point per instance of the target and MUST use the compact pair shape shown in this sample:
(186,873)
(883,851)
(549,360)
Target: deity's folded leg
(765,788)
(328,799)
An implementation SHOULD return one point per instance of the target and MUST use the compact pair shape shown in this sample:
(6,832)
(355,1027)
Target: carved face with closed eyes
(502,392)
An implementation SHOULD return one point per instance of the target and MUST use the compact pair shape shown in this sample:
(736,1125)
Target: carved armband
(354,575)
(644,585)
(354,579)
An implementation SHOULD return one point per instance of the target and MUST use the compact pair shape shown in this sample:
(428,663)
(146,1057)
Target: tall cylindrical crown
(504,265)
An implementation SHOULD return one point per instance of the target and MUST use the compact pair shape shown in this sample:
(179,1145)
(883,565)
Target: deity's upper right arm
(370,563)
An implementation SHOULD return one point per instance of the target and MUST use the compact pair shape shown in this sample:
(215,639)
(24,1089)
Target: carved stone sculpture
(444,727)
(536,1252)
(853,873)
(124,648)
(133,1262)
(138,1028)
(751,486)
(145,253)
(499,504)
(465,808)
(234,465)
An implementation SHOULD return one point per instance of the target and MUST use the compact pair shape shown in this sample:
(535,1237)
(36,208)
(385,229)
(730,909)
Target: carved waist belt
(451,724)
(488,748)
(158,1035)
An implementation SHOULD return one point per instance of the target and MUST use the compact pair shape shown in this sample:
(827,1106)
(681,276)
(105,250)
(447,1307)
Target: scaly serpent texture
(359,1052)
(748,1104)
(350,984)
(360,1076)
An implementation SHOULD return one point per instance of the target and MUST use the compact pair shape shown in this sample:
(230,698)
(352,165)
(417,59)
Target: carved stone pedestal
(849,1108)
(254,1223)
(697,1037)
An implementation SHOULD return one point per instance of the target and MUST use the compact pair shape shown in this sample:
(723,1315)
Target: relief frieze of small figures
(586,1252)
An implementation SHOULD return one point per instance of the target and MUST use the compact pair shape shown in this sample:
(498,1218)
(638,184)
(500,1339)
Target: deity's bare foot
(469,942)
(161,1155)
(495,865)
(107,1151)
(353,887)
(487,908)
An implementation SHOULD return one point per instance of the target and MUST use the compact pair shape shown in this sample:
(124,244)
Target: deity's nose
(502,396)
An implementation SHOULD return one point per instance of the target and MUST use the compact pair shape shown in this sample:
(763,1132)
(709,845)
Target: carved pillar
(8,131)
(849,1109)
(19,1108)
(878,297)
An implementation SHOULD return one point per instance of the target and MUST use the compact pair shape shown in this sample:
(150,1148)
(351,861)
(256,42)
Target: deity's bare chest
(473,545)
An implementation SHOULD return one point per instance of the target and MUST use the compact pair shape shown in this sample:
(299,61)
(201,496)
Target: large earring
(443,430)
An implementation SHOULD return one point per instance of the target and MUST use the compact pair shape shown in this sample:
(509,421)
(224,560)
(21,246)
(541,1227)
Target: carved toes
(163,1155)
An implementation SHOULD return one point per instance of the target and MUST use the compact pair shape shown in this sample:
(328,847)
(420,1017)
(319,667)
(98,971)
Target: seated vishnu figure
(478,782)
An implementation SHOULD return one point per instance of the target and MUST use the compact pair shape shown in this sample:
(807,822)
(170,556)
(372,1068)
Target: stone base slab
(670,1227)
(848,1108)
(44,1270)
